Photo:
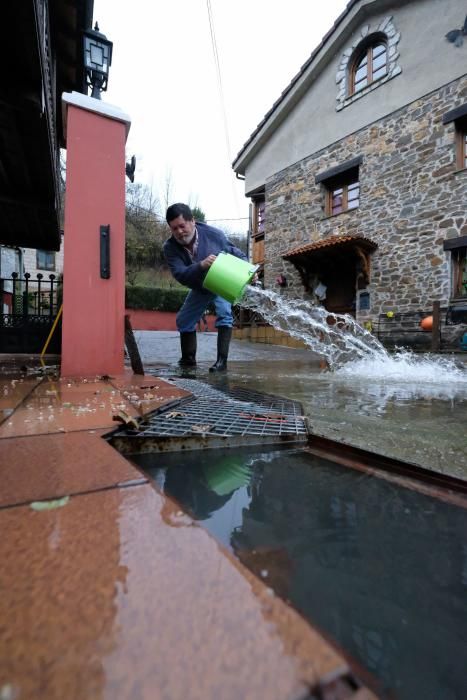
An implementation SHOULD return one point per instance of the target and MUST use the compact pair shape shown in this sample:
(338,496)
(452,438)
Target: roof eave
(299,84)
(328,245)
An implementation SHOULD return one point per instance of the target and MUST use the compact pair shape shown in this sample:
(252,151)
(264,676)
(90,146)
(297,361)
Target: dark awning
(331,244)
(453,243)
(339,169)
(454,114)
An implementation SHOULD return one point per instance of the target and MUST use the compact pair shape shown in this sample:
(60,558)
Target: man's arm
(233,250)
(190,275)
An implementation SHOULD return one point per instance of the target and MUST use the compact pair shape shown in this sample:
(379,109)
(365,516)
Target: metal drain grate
(213,412)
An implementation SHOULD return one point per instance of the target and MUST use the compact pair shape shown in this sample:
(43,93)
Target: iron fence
(243,318)
(28,308)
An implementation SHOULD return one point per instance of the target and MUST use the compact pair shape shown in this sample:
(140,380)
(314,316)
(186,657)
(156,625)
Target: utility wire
(221,93)
(219,76)
(158,217)
(238,218)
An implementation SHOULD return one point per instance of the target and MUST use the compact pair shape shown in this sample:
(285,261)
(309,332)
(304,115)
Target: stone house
(358,173)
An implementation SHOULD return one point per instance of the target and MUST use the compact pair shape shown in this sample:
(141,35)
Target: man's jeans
(192,310)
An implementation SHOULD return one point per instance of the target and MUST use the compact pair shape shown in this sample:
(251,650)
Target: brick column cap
(77,99)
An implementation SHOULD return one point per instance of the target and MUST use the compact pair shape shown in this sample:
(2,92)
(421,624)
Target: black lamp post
(97,60)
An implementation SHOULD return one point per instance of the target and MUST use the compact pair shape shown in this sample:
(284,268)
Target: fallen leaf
(49,505)
(174,414)
(203,428)
(126,419)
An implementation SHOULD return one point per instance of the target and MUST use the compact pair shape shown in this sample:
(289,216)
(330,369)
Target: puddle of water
(379,568)
(419,422)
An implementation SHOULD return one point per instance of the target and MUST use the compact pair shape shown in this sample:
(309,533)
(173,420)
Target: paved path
(164,347)
(417,423)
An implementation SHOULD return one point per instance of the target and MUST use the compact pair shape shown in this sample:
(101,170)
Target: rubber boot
(224,334)
(188,346)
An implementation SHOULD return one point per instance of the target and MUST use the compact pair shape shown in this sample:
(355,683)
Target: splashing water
(349,349)
(405,366)
(337,337)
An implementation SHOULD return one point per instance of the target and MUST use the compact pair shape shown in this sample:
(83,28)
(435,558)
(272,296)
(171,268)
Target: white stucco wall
(30,263)
(427,60)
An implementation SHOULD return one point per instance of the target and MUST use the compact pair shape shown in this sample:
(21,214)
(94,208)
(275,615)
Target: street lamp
(97,60)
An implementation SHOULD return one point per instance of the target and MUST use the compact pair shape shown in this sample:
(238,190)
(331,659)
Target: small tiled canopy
(331,244)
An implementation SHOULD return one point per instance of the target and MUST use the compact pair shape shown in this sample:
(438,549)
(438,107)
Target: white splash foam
(350,350)
(406,366)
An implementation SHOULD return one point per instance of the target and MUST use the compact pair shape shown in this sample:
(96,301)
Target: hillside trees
(145,231)
(198,214)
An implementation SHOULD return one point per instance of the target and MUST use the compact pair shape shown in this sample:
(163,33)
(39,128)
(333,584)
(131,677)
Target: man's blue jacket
(188,272)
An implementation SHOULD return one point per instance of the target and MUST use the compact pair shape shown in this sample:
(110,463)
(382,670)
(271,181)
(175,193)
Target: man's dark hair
(176,210)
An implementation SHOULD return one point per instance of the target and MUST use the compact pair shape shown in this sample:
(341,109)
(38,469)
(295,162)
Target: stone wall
(411,200)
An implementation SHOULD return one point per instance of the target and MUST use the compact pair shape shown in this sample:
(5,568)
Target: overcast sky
(164,76)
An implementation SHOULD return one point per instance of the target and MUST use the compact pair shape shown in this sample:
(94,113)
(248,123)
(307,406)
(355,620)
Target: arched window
(369,65)
(368,62)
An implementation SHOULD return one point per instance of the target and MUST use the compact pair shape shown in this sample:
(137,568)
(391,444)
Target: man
(190,252)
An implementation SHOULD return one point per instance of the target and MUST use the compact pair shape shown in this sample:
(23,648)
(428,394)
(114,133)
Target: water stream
(349,349)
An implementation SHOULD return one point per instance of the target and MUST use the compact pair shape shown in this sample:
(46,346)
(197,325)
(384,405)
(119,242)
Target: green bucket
(228,276)
(226,475)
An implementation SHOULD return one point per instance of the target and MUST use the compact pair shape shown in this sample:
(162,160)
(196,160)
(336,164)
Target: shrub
(154,298)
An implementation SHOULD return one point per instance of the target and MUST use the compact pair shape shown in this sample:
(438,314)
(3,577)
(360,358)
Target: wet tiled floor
(106,589)
(44,405)
(52,466)
(118,595)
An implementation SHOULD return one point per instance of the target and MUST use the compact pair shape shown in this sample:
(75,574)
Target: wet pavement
(422,423)
(163,347)
(118,595)
(392,595)
(107,590)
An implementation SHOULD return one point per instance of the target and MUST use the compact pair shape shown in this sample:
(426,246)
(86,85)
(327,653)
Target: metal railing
(27,296)
(28,307)
(244,318)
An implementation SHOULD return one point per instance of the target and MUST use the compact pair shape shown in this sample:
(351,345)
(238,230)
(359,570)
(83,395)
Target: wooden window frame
(368,52)
(344,181)
(257,249)
(461,144)
(257,202)
(458,261)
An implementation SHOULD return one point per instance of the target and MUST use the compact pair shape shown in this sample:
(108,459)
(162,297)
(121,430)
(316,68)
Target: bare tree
(145,231)
(167,189)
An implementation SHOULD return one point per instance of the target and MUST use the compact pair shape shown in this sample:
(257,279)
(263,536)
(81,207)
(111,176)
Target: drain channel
(216,416)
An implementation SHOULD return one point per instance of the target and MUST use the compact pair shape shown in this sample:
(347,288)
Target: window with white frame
(45,260)
(368,62)
(369,65)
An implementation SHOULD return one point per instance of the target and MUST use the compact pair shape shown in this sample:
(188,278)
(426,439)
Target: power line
(219,77)
(221,95)
(238,218)
(153,215)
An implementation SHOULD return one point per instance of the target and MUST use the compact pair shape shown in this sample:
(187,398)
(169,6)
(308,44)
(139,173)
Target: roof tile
(331,242)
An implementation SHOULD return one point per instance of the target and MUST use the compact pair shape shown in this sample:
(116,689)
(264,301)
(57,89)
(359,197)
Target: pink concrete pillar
(93,307)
